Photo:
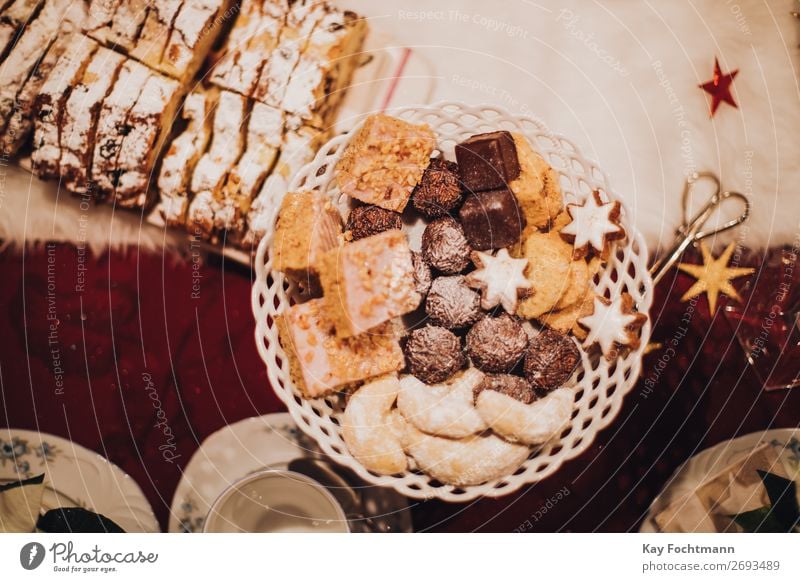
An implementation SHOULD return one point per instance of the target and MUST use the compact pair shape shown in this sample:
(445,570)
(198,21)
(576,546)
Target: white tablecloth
(620,78)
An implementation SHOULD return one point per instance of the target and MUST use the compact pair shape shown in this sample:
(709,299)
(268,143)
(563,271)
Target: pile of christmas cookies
(455,357)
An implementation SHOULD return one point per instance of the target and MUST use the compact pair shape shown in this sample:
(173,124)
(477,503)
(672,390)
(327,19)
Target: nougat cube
(384,161)
(320,363)
(308,226)
(368,282)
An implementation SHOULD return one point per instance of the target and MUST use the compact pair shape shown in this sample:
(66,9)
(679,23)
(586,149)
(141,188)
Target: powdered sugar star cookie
(500,278)
(613,324)
(594,224)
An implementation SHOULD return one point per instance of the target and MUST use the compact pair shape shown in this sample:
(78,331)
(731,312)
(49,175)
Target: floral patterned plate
(250,445)
(75,477)
(785,441)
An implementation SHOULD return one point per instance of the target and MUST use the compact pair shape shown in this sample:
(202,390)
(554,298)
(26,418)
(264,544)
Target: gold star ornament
(714,276)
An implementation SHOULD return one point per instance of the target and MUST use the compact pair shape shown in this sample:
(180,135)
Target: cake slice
(20,12)
(20,125)
(49,104)
(320,363)
(326,67)
(194,31)
(99,17)
(149,122)
(227,142)
(368,282)
(254,36)
(155,32)
(79,121)
(26,53)
(298,148)
(127,23)
(308,226)
(7,33)
(185,150)
(112,125)
(15,14)
(264,137)
(276,72)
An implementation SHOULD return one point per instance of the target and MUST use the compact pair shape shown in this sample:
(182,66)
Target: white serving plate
(708,463)
(74,476)
(601,385)
(251,445)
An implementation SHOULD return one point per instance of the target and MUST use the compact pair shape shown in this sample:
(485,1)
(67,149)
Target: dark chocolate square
(488,161)
(492,219)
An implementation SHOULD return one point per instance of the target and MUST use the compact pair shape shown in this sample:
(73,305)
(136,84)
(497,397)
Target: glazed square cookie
(308,226)
(321,363)
(369,282)
(385,161)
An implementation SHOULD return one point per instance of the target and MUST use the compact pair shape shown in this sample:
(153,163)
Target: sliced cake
(254,36)
(298,148)
(155,32)
(26,53)
(227,143)
(185,150)
(127,24)
(194,31)
(325,68)
(99,17)
(112,125)
(79,121)
(149,122)
(50,101)
(20,125)
(20,12)
(263,139)
(15,14)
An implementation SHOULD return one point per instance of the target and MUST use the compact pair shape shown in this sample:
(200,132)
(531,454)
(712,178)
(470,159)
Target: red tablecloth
(141,356)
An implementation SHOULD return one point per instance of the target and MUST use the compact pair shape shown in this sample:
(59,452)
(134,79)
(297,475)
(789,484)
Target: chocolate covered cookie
(445,247)
(422,273)
(370,220)
(439,190)
(491,220)
(433,354)
(451,304)
(514,386)
(496,344)
(487,161)
(551,359)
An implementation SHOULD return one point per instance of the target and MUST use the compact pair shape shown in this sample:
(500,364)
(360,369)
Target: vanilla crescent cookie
(370,430)
(469,461)
(444,409)
(531,424)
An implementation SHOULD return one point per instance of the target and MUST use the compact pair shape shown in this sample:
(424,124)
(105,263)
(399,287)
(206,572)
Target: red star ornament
(719,87)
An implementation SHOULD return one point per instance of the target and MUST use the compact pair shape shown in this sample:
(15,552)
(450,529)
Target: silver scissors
(691,230)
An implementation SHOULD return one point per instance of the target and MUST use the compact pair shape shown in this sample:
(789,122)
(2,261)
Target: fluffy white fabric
(619,77)
(32,212)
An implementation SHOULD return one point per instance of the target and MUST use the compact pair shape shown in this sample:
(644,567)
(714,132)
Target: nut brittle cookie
(384,161)
(368,282)
(595,224)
